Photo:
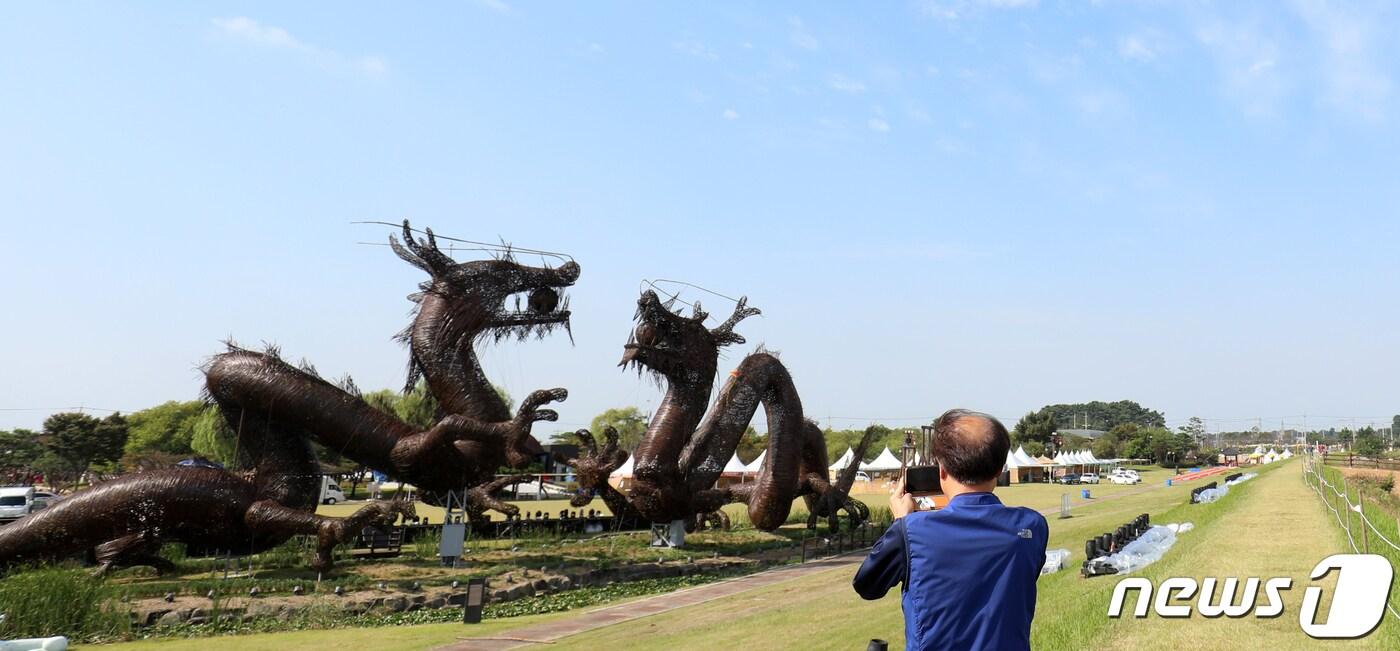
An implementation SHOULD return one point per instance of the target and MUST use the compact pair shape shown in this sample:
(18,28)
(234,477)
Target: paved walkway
(589,620)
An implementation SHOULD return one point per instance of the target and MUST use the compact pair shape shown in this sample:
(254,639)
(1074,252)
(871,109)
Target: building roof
(1086,433)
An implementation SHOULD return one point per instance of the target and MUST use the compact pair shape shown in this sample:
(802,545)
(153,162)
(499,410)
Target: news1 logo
(1358,601)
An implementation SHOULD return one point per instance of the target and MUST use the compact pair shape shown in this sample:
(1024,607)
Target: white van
(330,491)
(16,502)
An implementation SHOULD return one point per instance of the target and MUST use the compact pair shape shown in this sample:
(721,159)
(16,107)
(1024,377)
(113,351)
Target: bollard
(877,645)
(1084,493)
(474,602)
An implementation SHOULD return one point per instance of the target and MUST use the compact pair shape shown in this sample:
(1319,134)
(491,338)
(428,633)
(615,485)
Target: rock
(172,618)
(150,617)
(540,585)
(436,603)
(396,604)
(459,598)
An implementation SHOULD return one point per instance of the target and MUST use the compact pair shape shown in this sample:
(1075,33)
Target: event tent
(1024,459)
(734,467)
(757,464)
(885,462)
(844,461)
(624,470)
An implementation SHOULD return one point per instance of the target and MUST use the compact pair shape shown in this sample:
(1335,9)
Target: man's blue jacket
(969,573)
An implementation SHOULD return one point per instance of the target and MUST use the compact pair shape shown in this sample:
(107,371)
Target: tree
(1034,427)
(629,423)
(78,440)
(1106,446)
(838,440)
(1034,448)
(1369,442)
(167,428)
(1103,415)
(19,450)
(751,444)
(214,439)
(1194,428)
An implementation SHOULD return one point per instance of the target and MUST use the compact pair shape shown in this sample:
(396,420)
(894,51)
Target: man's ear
(942,473)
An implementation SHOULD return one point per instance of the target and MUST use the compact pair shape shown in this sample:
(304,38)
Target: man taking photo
(969,569)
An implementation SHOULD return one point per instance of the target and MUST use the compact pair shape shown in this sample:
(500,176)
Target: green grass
(1271,526)
(58,600)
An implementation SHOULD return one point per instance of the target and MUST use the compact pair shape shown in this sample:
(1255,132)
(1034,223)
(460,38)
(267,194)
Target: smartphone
(922,480)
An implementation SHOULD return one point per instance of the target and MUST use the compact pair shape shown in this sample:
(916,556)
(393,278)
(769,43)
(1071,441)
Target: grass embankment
(1271,526)
(781,612)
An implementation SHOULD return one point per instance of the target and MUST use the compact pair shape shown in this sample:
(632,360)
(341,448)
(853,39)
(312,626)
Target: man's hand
(901,502)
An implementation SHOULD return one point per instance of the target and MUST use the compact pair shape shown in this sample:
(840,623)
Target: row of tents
(1022,467)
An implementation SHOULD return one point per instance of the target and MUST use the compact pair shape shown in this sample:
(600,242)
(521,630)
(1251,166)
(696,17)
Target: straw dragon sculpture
(685,448)
(277,409)
(476,434)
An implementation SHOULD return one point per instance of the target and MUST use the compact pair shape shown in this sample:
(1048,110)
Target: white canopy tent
(735,466)
(844,461)
(885,462)
(624,470)
(757,464)
(1024,459)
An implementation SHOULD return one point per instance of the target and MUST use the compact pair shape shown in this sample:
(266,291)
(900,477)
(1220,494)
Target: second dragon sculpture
(686,447)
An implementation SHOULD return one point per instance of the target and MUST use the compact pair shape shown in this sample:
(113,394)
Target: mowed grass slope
(1271,526)
(822,612)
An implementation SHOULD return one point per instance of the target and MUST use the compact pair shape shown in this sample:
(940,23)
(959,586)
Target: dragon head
(478,292)
(678,347)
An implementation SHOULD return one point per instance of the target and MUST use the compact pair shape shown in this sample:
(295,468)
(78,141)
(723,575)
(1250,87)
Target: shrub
(52,601)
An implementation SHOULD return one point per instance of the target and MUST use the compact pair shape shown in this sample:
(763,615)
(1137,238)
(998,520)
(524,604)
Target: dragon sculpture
(685,448)
(277,409)
(475,435)
(123,522)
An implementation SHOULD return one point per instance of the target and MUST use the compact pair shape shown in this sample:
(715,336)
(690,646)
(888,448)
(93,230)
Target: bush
(59,601)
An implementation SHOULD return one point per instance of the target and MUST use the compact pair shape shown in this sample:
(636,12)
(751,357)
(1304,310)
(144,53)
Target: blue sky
(994,204)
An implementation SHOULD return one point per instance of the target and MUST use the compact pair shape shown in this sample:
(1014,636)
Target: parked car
(330,491)
(42,500)
(861,476)
(1089,478)
(1124,476)
(16,502)
(1070,478)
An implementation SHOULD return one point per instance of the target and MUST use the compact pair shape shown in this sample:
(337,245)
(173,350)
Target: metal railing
(1340,504)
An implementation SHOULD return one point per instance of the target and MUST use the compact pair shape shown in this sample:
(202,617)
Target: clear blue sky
(995,204)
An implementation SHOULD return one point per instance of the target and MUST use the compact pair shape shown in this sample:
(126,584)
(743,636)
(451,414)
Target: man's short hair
(970,445)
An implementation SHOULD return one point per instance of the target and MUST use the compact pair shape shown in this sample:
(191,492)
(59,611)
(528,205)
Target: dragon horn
(725,334)
(424,255)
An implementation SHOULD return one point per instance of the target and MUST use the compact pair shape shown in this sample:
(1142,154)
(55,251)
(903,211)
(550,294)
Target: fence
(1353,461)
(1339,502)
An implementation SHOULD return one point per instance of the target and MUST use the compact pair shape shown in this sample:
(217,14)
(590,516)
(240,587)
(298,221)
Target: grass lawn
(1271,526)
(426,636)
